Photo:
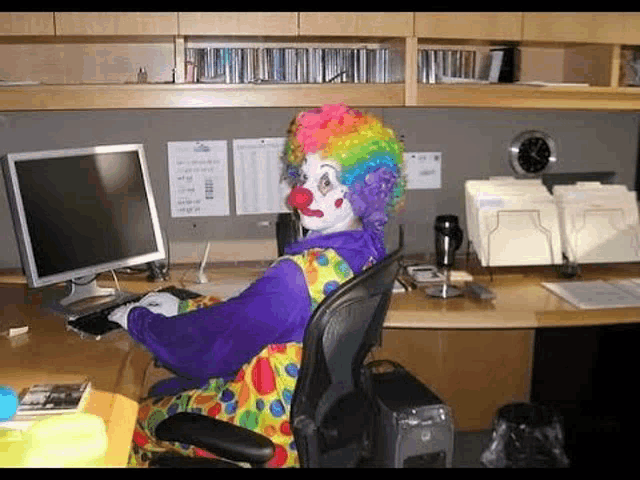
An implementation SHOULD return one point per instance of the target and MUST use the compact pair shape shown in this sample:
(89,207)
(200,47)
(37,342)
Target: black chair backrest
(331,411)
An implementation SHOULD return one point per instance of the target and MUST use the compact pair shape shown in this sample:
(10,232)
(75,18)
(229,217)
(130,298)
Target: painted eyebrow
(327,165)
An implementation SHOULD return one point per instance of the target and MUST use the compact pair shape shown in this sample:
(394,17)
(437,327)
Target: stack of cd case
(434,64)
(286,65)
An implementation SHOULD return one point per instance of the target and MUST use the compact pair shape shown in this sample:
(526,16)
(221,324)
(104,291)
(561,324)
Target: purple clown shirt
(216,341)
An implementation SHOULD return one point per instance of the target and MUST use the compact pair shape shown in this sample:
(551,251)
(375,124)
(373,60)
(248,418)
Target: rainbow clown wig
(370,155)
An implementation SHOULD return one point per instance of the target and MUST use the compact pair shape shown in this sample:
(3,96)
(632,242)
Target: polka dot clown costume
(238,360)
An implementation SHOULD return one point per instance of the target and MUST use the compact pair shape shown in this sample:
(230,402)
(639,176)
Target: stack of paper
(596,294)
(512,222)
(598,223)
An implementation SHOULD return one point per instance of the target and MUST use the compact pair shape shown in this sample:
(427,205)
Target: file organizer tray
(520,237)
(603,235)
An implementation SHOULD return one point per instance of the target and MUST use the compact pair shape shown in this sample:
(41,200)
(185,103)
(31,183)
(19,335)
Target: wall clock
(532,152)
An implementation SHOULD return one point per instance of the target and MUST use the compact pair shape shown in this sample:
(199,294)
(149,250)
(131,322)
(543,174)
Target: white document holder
(484,193)
(599,223)
(512,222)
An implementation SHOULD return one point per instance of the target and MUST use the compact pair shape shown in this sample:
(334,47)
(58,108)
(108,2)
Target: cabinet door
(481,26)
(474,371)
(632,29)
(357,24)
(574,27)
(17,23)
(238,23)
(116,23)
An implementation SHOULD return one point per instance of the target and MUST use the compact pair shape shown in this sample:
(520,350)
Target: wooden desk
(477,355)
(49,353)
(521,302)
(119,414)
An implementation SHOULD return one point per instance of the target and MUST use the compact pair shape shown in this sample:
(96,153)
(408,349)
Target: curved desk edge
(119,414)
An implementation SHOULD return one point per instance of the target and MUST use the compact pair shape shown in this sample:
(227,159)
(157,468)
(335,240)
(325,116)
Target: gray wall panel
(473,143)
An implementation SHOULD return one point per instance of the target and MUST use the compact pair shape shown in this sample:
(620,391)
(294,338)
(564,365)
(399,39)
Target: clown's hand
(120,314)
(162,303)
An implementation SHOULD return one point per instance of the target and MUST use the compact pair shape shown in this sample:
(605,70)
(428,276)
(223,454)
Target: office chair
(332,411)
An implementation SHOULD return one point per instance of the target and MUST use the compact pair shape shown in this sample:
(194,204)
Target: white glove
(161,302)
(120,314)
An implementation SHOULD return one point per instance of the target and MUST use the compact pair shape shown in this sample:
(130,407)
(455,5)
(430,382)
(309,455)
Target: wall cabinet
(237,23)
(574,27)
(477,26)
(631,28)
(26,24)
(90,60)
(357,24)
(116,24)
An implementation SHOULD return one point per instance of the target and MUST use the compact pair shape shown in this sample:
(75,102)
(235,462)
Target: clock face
(532,152)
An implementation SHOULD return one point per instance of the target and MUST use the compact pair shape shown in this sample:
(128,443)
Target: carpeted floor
(467,448)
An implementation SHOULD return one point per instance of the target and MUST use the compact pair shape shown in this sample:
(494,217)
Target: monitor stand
(82,296)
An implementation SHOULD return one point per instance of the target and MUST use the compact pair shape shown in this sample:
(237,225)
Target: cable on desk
(115,279)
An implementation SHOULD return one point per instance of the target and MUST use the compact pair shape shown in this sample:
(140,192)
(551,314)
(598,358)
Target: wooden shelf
(110,96)
(71,48)
(152,96)
(527,97)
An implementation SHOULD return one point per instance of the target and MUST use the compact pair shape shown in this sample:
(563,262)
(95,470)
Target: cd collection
(287,65)
(434,64)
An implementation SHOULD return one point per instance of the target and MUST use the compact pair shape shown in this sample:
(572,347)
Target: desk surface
(119,414)
(116,364)
(49,354)
(521,302)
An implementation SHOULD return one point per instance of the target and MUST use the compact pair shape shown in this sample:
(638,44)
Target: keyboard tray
(97,324)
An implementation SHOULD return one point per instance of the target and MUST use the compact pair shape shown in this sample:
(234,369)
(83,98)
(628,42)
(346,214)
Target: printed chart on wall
(257,170)
(423,170)
(198,179)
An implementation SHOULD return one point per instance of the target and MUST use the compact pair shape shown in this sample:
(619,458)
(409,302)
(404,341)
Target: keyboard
(97,324)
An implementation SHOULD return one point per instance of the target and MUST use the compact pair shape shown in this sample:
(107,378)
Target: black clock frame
(532,152)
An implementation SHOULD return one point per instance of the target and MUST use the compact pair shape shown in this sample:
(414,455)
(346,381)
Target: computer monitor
(79,212)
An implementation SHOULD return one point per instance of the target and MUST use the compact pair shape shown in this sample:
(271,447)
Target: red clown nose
(300,198)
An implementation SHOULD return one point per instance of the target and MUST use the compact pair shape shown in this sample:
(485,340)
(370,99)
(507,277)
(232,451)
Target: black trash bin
(526,435)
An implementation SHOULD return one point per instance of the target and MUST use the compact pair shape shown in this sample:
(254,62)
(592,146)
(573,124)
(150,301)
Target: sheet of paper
(423,170)
(257,168)
(595,294)
(198,179)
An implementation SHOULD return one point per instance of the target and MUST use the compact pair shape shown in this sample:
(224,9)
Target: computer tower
(414,427)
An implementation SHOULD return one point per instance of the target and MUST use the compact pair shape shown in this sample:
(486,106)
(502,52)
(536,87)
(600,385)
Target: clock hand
(538,145)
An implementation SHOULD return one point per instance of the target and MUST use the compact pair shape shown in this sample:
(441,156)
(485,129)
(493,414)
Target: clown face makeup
(320,197)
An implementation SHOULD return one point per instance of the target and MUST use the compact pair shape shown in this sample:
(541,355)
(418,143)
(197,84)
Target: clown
(237,360)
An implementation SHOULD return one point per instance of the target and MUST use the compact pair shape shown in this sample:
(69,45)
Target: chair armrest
(220,438)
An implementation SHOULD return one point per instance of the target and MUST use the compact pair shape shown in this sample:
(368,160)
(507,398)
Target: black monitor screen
(85,210)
